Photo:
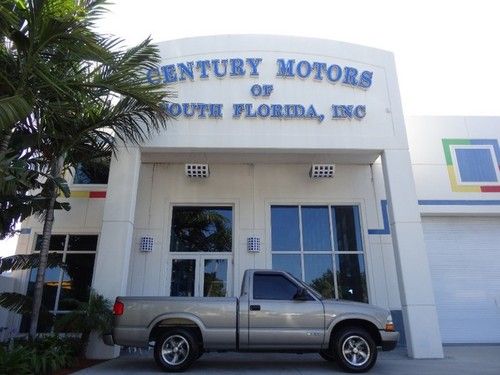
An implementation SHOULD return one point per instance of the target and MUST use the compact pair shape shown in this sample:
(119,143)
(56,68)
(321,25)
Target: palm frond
(16,302)
(28,261)
(13,109)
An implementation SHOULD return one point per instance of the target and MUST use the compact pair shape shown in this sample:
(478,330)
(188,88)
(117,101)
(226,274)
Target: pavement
(463,360)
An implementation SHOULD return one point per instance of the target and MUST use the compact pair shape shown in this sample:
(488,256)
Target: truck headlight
(389,324)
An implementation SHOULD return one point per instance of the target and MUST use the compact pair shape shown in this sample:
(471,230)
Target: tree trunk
(56,171)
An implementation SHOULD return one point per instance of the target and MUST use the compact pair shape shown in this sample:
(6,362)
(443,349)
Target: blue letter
(276,110)
(334,73)
(237,67)
(149,75)
(256,90)
(350,76)
(254,62)
(318,67)
(202,108)
(203,65)
(215,67)
(300,72)
(237,110)
(360,112)
(365,80)
(185,70)
(268,89)
(285,70)
(216,110)
(169,73)
(175,109)
(263,110)
(185,109)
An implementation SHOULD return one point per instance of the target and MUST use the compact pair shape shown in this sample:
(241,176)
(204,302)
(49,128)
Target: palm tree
(84,91)
(94,315)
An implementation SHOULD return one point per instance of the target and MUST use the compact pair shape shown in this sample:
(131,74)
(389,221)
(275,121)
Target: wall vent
(253,244)
(146,244)
(197,170)
(322,171)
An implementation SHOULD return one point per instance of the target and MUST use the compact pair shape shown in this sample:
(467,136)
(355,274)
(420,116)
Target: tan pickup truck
(275,312)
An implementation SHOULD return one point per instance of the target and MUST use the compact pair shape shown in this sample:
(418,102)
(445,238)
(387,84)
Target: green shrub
(15,361)
(51,354)
(42,356)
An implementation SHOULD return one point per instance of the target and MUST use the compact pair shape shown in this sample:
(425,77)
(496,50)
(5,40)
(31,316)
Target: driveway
(477,360)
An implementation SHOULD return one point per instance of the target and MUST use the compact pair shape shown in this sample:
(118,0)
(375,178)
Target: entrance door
(200,251)
(199,276)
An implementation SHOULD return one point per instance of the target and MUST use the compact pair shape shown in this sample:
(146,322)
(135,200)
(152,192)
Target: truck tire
(354,349)
(175,350)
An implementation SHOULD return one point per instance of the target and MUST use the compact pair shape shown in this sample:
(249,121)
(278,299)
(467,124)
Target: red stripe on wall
(490,189)
(97,194)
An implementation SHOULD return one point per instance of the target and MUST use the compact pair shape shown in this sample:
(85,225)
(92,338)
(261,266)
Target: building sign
(286,69)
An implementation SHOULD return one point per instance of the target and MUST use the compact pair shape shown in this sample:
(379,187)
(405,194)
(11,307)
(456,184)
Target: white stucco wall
(251,189)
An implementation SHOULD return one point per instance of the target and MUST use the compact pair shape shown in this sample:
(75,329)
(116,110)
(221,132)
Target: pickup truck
(275,312)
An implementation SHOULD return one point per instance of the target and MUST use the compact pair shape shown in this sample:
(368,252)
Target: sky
(447,52)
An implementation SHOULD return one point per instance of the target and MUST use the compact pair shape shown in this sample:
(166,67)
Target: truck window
(273,286)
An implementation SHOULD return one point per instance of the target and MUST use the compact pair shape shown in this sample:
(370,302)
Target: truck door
(279,318)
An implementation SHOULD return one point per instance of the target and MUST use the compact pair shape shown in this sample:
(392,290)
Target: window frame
(334,252)
(64,252)
(200,205)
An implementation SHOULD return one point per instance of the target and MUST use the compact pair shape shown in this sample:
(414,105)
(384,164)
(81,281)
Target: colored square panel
(476,165)
(473,164)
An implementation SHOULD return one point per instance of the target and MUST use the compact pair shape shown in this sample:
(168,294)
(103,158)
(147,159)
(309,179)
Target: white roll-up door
(464,257)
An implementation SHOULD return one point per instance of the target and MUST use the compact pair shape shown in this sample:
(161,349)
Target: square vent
(253,244)
(197,170)
(322,171)
(146,244)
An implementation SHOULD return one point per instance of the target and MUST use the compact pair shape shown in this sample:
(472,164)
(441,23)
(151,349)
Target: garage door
(464,257)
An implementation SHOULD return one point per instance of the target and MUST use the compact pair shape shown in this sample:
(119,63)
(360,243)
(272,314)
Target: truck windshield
(308,288)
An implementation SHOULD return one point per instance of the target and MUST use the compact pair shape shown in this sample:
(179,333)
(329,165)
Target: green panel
(446,147)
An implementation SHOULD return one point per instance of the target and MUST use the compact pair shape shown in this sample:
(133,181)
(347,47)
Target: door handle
(254,307)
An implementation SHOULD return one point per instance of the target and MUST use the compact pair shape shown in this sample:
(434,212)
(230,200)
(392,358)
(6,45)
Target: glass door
(199,276)
(183,277)
(201,243)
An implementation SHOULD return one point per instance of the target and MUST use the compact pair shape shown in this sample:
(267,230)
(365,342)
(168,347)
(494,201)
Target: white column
(115,241)
(415,284)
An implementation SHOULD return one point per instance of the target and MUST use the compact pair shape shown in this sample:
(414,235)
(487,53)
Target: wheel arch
(168,321)
(355,321)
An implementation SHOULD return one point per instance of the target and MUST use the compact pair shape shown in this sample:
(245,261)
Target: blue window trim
(385,218)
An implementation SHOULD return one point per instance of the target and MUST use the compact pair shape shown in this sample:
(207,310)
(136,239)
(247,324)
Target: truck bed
(216,318)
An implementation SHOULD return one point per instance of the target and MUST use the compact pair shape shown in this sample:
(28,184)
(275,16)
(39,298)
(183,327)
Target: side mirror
(301,295)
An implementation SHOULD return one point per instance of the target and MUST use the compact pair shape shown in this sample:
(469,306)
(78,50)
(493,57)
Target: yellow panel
(79,194)
(460,188)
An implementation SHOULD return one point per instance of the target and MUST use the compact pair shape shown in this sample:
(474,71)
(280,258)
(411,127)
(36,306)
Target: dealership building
(292,153)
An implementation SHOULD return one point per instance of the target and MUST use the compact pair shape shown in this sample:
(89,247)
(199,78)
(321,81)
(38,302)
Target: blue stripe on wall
(385,217)
(459,202)
(432,202)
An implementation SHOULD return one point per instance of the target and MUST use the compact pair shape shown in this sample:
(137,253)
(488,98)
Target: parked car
(275,312)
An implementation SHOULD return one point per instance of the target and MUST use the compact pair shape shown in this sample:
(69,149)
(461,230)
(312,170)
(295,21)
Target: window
(274,287)
(63,286)
(96,172)
(321,245)
(201,229)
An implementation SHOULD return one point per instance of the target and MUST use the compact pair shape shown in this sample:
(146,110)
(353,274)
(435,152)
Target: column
(414,277)
(115,241)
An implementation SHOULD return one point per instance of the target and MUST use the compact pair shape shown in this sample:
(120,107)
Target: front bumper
(389,340)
